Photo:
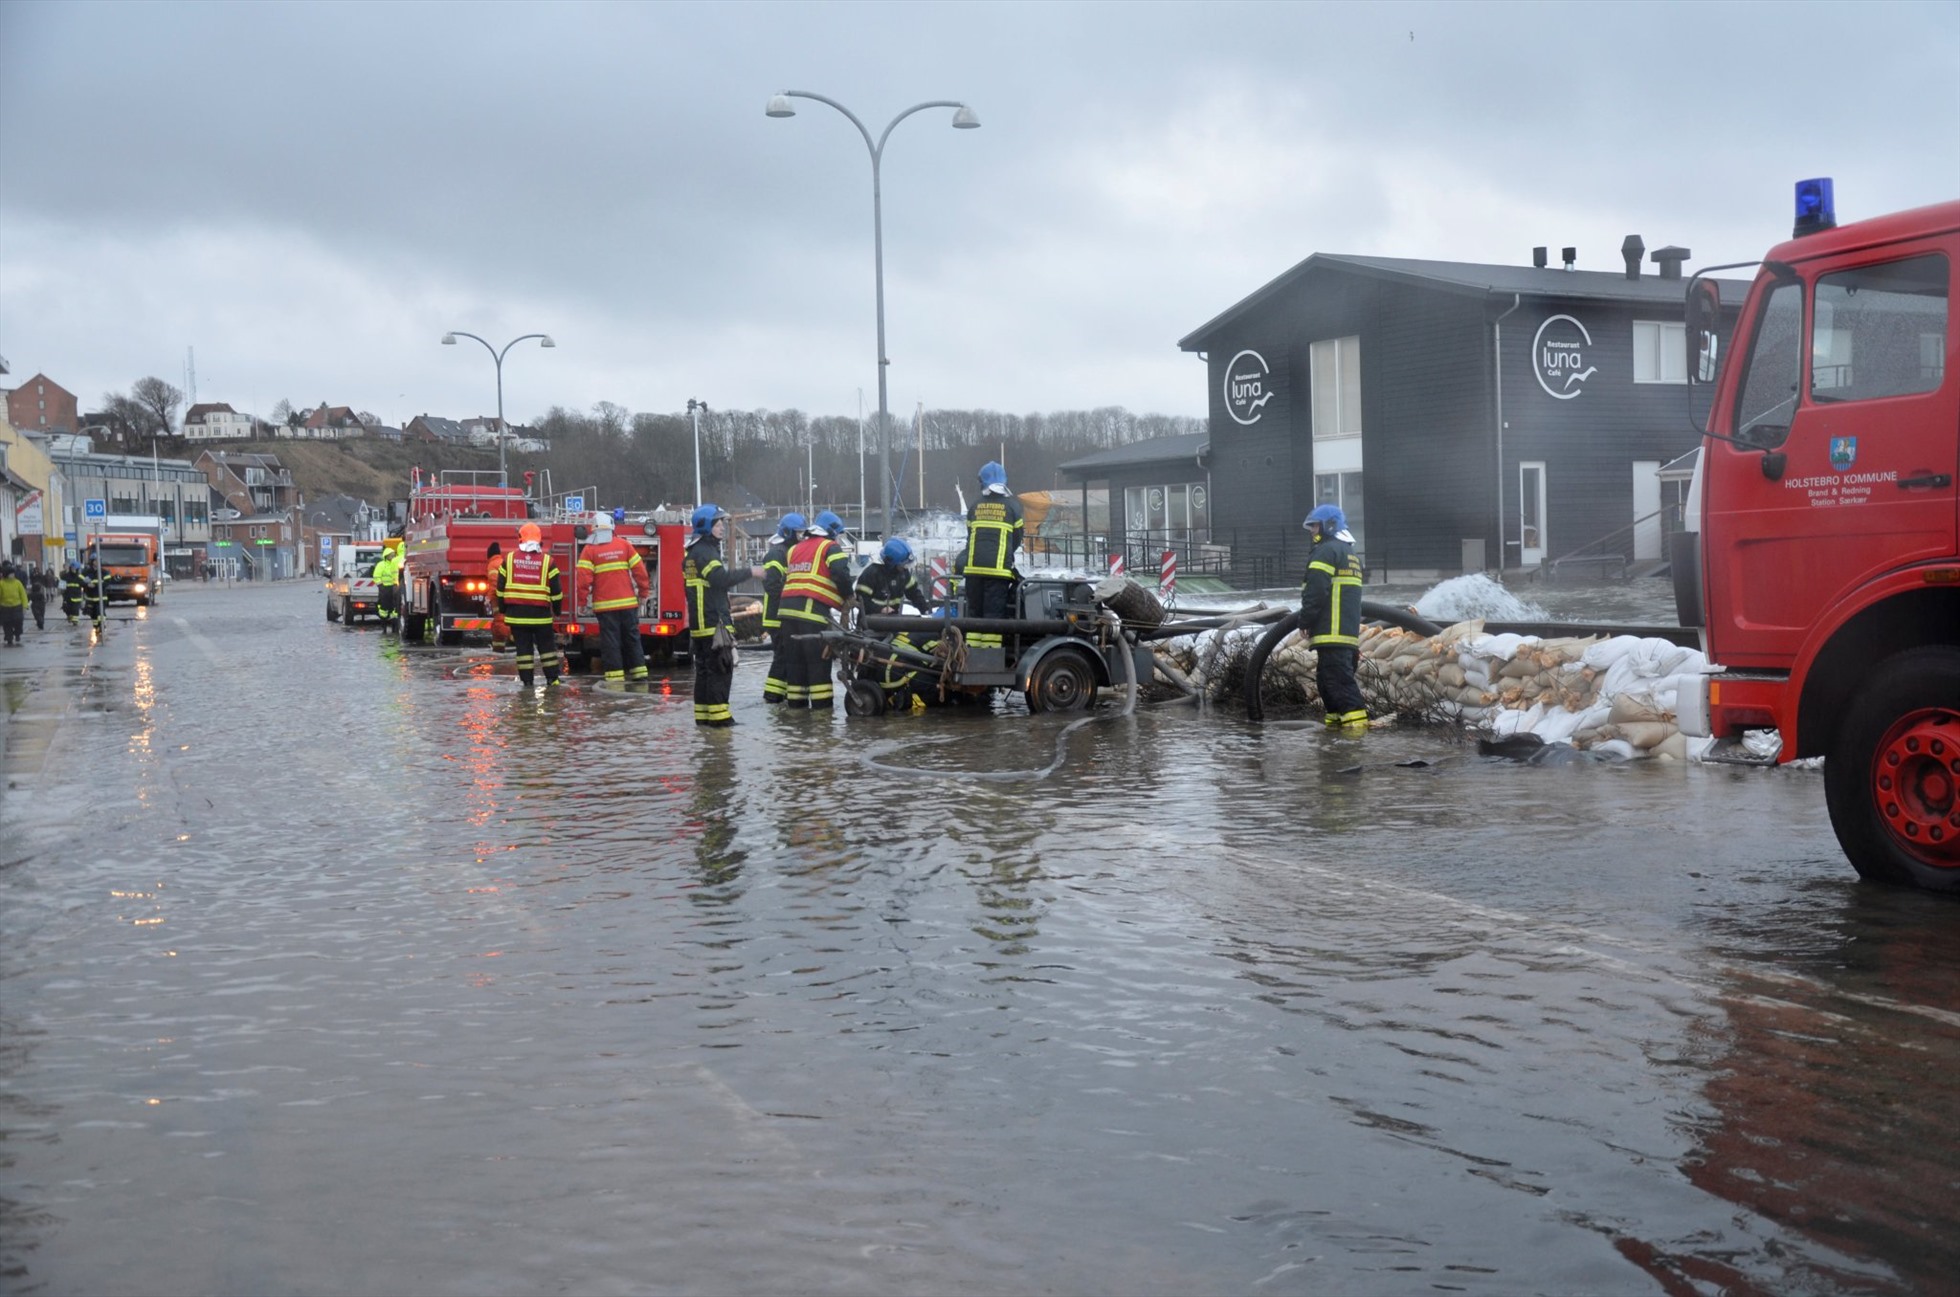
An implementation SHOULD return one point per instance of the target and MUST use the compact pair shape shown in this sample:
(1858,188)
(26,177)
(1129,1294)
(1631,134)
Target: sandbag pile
(1615,696)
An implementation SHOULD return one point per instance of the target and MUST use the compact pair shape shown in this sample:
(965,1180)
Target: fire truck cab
(1829,561)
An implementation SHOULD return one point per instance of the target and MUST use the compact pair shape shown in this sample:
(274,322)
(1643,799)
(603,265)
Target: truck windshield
(1879,331)
(124,556)
(1769,385)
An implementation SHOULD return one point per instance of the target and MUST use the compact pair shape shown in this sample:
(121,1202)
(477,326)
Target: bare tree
(161,400)
(126,419)
(282,411)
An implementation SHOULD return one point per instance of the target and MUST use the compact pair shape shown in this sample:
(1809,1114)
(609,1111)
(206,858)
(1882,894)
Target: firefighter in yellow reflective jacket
(818,581)
(708,582)
(388,585)
(775,570)
(530,590)
(1330,616)
(612,578)
(994,530)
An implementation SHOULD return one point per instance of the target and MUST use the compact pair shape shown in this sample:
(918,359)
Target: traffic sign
(95,509)
(574,504)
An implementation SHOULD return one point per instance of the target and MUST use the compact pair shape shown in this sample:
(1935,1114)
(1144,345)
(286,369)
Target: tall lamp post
(964,119)
(695,410)
(503,432)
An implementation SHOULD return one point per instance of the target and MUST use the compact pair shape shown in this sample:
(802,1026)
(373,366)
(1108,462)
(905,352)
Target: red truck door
(1849,378)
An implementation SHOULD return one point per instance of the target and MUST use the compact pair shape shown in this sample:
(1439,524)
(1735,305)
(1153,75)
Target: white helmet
(602,522)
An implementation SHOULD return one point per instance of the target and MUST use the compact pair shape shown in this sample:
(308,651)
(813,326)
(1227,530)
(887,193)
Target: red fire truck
(1829,559)
(461,522)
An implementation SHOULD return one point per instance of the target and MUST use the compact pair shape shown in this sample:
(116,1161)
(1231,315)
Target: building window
(122,504)
(1182,511)
(1660,352)
(1336,388)
(1343,490)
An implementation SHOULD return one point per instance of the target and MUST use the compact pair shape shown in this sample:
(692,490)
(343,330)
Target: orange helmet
(529,531)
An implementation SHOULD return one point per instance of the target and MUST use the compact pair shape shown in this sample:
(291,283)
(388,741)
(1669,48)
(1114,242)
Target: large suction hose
(1255,666)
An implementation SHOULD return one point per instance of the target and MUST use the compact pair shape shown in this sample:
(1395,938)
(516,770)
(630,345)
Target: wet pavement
(331,965)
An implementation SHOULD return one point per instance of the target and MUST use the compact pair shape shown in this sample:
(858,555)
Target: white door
(1531,513)
(1646,510)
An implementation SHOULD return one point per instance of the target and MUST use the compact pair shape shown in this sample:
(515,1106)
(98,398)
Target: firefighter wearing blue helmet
(775,570)
(708,582)
(1330,616)
(888,583)
(995,529)
(814,589)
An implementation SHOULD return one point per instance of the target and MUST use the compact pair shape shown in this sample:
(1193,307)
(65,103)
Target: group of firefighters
(807,581)
(83,592)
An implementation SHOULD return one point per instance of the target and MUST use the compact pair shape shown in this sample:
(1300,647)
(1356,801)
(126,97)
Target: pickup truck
(351,592)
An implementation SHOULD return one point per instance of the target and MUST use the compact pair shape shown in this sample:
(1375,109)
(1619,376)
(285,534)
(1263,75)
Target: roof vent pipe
(1571,256)
(1538,257)
(1669,259)
(1630,251)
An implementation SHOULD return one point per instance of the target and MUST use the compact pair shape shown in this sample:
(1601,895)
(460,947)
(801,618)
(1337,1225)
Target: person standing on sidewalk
(612,578)
(39,582)
(13,605)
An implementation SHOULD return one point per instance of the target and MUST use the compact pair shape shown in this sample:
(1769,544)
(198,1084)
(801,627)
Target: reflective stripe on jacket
(775,570)
(994,530)
(529,587)
(883,588)
(387,569)
(818,574)
(1330,599)
(708,582)
(613,575)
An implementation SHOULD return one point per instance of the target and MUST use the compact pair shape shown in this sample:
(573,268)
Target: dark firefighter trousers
(534,644)
(619,644)
(1340,696)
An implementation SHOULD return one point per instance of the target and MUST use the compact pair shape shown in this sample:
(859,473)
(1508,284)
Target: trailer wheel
(1064,681)
(1892,776)
(864,698)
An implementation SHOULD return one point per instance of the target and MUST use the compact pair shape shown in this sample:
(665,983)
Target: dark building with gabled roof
(1466,417)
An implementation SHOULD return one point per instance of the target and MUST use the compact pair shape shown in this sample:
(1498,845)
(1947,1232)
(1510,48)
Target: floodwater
(329,965)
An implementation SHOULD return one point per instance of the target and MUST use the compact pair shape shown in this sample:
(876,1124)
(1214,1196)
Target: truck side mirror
(1704,318)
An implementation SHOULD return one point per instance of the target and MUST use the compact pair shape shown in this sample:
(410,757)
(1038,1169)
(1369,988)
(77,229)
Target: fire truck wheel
(1892,776)
(864,698)
(333,611)
(1062,682)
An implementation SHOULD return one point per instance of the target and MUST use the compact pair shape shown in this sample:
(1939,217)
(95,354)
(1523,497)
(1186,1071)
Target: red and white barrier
(941,587)
(1167,577)
(1116,565)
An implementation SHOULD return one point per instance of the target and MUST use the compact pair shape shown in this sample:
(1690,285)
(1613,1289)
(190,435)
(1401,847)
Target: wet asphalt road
(329,965)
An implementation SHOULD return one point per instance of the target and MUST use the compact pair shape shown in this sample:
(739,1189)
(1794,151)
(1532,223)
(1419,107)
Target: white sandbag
(1605,653)
(1672,748)
(1644,734)
(1619,749)
(1558,725)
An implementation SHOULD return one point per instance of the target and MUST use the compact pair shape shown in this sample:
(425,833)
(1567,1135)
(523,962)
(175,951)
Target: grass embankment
(366,467)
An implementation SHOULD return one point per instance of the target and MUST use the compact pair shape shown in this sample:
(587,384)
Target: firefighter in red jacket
(530,590)
(818,580)
(612,578)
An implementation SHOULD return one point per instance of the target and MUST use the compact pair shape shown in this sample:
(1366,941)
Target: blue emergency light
(1816,209)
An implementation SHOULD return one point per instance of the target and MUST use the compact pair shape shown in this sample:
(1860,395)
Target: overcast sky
(311,194)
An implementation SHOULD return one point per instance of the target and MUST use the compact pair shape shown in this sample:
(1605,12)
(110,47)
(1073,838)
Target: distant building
(216,421)
(327,423)
(42,405)
(1466,417)
(171,491)
(428,427)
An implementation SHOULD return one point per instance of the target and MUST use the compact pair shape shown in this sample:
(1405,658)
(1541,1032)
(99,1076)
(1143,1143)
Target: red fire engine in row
(1828,568)
(461,522)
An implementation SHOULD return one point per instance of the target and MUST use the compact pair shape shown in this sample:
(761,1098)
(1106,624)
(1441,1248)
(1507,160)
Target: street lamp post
(503,432)
(964,119)
(695,410)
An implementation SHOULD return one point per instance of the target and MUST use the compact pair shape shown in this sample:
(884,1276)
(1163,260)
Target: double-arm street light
(503,431)
(964,119)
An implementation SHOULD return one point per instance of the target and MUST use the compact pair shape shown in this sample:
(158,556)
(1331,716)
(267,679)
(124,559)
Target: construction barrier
(940,586)
(1167,577)
(1116,565)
